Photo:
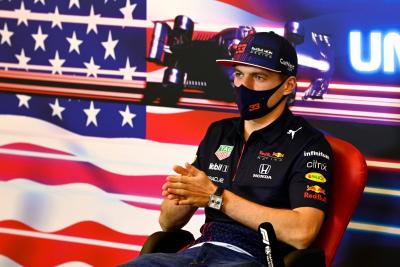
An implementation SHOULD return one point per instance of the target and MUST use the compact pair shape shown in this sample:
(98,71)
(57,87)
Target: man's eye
(237,74)
(260,78)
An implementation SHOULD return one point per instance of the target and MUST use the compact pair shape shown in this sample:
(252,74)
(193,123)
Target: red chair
(349,178)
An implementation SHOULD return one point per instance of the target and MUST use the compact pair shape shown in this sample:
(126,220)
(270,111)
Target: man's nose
(247,81)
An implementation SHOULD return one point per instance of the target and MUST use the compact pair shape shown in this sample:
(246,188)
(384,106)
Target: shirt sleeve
(311,177)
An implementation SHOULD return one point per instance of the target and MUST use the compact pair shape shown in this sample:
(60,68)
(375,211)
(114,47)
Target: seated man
(266,166)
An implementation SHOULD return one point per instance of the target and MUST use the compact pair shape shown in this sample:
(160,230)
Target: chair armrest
(310,257)
(168,242)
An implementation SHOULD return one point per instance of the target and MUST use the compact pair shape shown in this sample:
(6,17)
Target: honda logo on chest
(264,168)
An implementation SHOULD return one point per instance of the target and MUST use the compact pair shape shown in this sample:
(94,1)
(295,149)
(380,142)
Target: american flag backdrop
(80,178)
(82,159)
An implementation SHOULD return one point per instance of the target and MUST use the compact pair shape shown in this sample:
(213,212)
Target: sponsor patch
(263,171)
(223,152)
(316,189)
(218,167)
(316,177)
(315,196)
(275,156)
(216,179)
(261,51)
(315,164)
(287,64)
(315,153)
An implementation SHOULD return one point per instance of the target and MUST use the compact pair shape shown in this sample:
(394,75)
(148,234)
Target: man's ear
(290,85)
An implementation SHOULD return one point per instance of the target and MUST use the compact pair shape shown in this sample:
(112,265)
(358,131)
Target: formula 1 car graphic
(189,61)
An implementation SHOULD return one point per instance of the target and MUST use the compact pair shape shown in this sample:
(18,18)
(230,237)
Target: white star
(74,43)
(22,14)
(91,113)
(127,116)
(57,109)
(41,1)
(6,35)
(23,100)
(91,67)
(39,39)
(92,21)
(109,45)
(22,60)
(128,71)
(56,19)
(56,62)
(127,10)
(74,3)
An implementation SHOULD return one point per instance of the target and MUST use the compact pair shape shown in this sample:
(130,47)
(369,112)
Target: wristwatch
(215,200)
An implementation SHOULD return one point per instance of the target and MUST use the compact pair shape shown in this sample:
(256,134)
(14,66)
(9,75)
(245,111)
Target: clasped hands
(190,187)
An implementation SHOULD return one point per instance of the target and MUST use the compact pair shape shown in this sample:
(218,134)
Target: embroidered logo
(275,156)
(293,132)
(223,152)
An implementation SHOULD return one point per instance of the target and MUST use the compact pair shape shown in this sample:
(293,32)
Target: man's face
(256,78)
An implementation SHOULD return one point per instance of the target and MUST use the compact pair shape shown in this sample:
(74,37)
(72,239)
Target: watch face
(215,202)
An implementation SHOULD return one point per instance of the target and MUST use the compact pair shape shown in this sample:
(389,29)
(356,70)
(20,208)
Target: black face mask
(252,104)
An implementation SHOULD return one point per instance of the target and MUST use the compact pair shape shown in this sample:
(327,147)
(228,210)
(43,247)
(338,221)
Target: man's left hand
(191,187)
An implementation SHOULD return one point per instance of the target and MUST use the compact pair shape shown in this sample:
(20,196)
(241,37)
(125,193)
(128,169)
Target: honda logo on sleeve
(264,168)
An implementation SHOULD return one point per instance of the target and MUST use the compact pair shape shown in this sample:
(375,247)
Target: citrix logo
(317,165)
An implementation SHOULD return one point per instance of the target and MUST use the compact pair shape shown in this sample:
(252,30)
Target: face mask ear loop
(280,100)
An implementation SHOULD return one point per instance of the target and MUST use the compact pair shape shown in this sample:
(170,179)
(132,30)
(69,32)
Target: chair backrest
(348,182)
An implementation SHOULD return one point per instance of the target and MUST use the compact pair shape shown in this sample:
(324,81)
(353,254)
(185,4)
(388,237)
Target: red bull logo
(316,189)
(277,156)
(318,197)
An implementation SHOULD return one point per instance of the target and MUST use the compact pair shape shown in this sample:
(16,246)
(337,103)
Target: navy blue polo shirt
(284,165)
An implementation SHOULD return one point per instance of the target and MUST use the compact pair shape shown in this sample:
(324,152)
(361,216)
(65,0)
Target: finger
(184,202)
(180,170)
(164,193)
(173,197)
(178,192)
(177,179)
(192,170)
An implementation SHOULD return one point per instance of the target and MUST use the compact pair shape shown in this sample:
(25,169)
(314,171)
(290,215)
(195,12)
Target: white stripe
(354,100)
(374,228)
(383,164)
(66,70)
(379,120)
(74,264)
(7,262)
(143,157)
(71,239)
(382,191)
(349,113)
(50,208)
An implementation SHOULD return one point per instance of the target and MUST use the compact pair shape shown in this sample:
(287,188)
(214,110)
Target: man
(266,166)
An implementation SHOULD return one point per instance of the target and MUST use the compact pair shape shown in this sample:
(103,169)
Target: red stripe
(30,251)
(59,172)
(85,229)
(30,147)
(183,128)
